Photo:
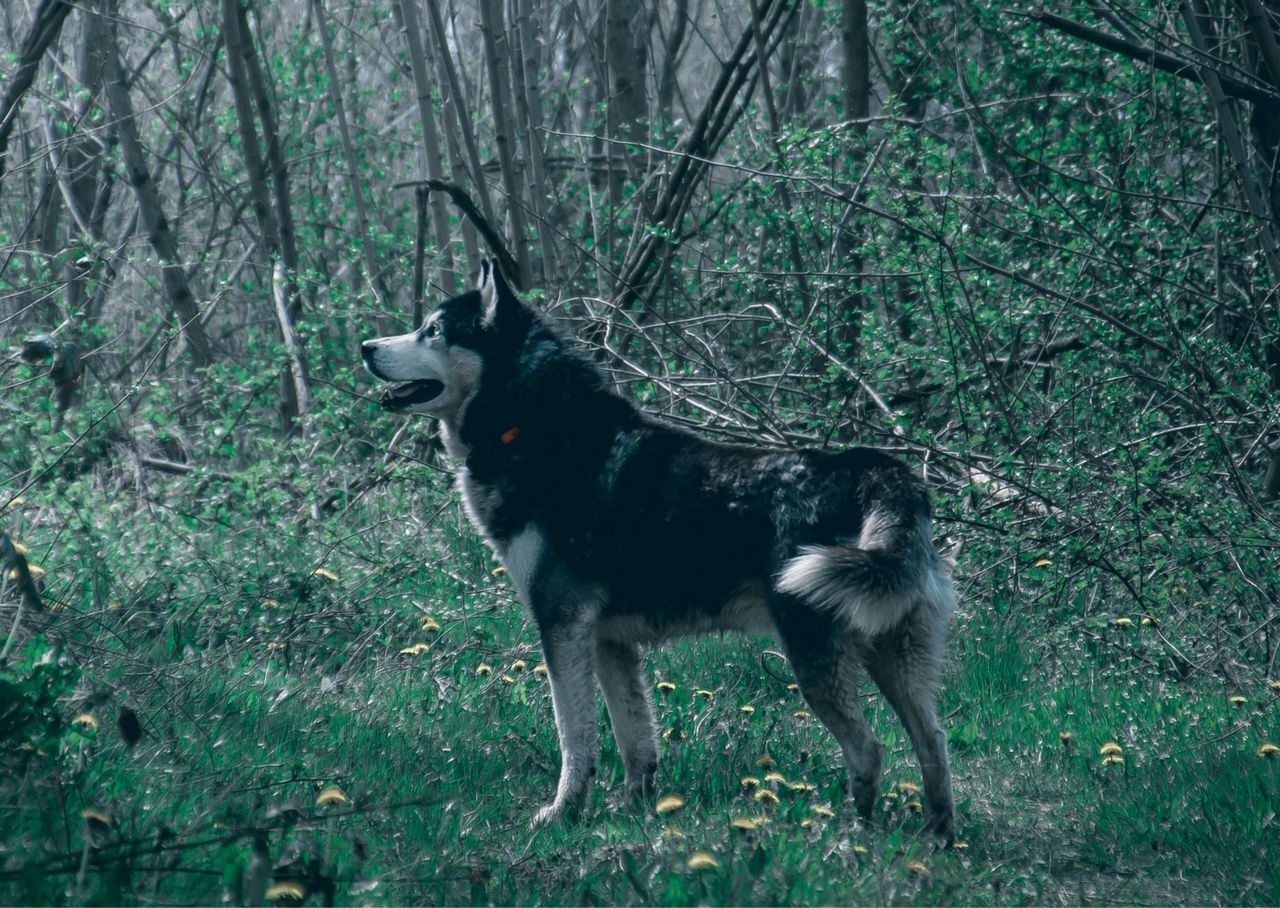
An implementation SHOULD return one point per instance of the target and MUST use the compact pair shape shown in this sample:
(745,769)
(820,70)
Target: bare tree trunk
(626,52)
(374,276)
(455,103)
(46,24)
(855,42)
(431,142)
(856,45)
(496,48)
(276,161)
(295,396)
(1248,182)
(798,59)
(672,51)
(176,284)
(775,130)
(81,166)
(529,106)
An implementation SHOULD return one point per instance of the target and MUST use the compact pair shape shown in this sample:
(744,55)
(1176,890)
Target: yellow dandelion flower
(802,714)
(1111,759)
(918,867)
(94,815)
(703,693)
(507,679)
(1123,622)
(1111,747)
(913,806)
(747,824)
(793,686)
(908,786)
(747,708)
(1274,684)
(16,501)
(1150,620)
(1237,700)
(1268,750)
(802,786)
(332,795)
(540,670)
(288,890)
(960,846)
(665,687)
(519,665)
(276,646)
(859,849)
(775,777)
(484,669)
(1042,562)
(34,569)
(668,804)
(86,720)
(416,650)
(808,822)
(498,571)
(823,810)
(765,762)
(702,860)
(766,796)
(269,603)
(325,574)
(20,548)
(430,624)
(750,782)
(671,832)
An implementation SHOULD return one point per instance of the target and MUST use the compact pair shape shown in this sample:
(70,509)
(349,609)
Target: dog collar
(510,435)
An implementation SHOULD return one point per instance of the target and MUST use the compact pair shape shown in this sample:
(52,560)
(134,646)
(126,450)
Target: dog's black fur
(644,531)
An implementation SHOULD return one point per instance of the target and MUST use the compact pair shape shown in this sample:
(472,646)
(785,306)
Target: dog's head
(440,365)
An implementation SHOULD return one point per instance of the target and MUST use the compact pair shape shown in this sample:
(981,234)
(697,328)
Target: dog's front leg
(569,649)
(620,668)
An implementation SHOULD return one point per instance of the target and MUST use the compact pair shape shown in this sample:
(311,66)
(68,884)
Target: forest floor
(434,723)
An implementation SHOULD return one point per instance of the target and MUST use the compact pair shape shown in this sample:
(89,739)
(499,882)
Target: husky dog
(620,531)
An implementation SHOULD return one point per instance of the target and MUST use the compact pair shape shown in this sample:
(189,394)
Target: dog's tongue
(400,392)
(414,392)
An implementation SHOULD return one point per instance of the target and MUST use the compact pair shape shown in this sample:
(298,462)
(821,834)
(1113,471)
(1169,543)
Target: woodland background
(249,648)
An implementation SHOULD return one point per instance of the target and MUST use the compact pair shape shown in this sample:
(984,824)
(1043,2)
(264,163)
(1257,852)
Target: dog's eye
(432,330)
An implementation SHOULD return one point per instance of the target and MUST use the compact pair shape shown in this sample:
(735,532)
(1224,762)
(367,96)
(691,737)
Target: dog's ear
(495,292)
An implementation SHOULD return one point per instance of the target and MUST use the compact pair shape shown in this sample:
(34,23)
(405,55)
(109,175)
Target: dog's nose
(366,349)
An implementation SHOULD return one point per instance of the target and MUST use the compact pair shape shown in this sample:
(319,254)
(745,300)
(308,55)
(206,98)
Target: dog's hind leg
(620,668)
(827,668)
(907,667)
(569,649)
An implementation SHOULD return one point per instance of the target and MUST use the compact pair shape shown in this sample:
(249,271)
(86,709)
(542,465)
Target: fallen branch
(510,268)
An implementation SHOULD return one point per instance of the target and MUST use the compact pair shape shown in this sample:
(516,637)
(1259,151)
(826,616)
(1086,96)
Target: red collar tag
(510,435)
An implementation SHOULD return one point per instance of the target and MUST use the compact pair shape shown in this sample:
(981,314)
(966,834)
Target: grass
(272,683)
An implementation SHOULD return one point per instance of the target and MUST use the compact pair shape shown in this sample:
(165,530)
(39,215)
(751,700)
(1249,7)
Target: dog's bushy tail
(873,583)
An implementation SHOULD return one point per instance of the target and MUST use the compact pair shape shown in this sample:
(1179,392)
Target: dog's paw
(555,812)
(940,831)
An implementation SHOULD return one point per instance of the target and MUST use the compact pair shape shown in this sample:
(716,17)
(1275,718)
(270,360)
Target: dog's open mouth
(414,392)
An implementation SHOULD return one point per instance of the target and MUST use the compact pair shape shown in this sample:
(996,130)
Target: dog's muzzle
(405,395)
